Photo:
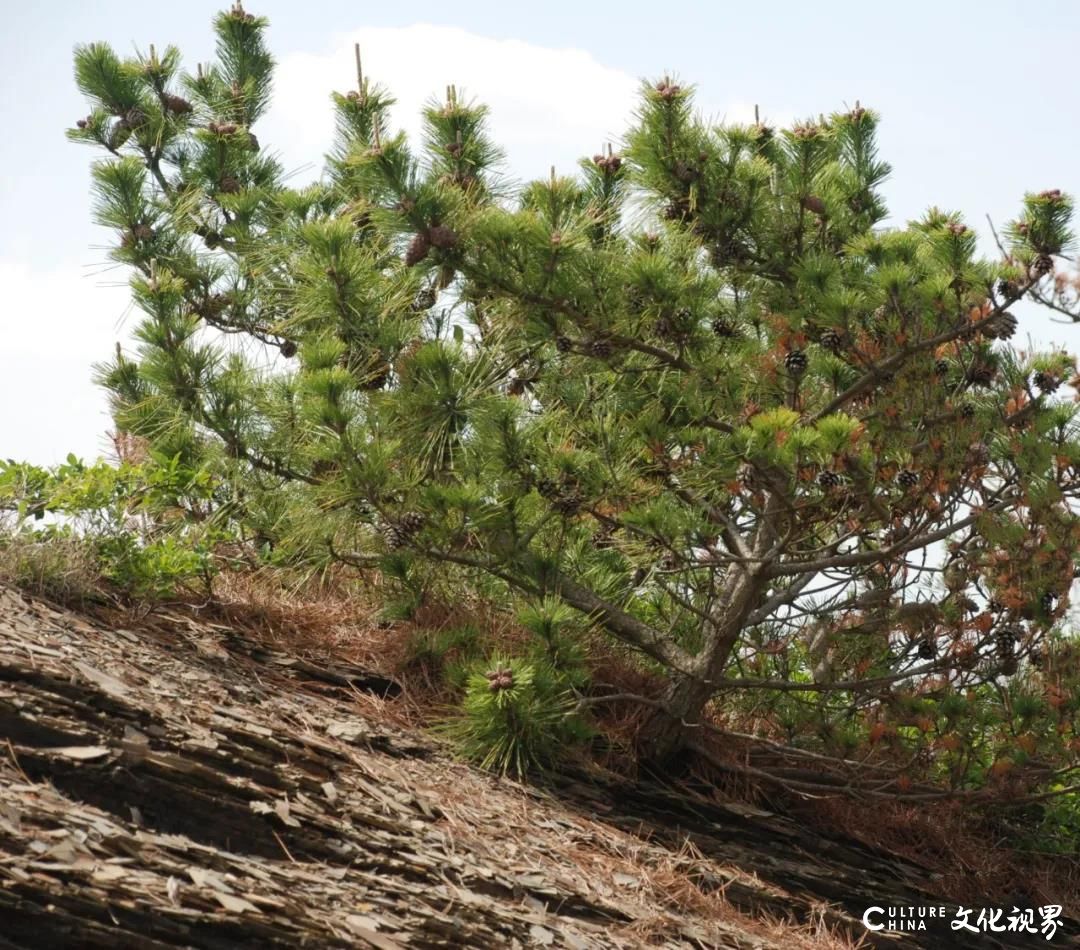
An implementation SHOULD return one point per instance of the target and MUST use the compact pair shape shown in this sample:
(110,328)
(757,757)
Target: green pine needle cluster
(517,717)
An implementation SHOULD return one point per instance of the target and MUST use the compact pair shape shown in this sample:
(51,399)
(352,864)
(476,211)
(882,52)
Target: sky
(977,101)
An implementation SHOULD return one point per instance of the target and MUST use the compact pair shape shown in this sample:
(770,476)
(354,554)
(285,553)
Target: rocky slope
(173,783)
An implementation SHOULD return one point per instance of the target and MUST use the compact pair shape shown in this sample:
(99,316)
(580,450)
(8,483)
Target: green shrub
(145,530)
(517,716)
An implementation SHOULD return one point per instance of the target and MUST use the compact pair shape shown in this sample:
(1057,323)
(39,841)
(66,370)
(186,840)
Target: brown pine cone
(417,250)
(1042,265)
(177,105)
(442,237)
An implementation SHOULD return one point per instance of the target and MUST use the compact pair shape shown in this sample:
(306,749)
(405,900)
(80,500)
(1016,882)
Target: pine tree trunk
(668,731)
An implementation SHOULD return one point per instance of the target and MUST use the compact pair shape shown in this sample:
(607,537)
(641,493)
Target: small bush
(145,530)
(517,716)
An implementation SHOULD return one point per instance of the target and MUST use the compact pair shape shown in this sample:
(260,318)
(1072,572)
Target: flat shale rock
(179,785)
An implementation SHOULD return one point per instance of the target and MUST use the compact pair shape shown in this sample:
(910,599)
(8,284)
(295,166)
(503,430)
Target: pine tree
(766,404)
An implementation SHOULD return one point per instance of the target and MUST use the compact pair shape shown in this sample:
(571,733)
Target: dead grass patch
(62,569)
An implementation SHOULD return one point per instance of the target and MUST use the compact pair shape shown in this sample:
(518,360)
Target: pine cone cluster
(500,678)
(1001,328)
(686,173)
(763,133)
(676,210)
(941,367)
(1005,642)
(238,13)
(724,328)
(564,344)
(442,237)
(1047,602)
(417,250)
(981,374)
(411,522)
(829,480)
(424,299)
(927,648)
(831,340)
(1046,382)
(1009,289)
(567,502)
(565,497)
(667,90)
(608,164)
(222,128)
(398,534)
(907,479)
(672,326)
(796,362)
(601,349)
(213,305)
(177,105)
(438,235)
(1042,265)
(288,349)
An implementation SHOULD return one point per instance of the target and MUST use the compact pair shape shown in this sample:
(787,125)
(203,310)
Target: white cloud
(548,106)
(58,321)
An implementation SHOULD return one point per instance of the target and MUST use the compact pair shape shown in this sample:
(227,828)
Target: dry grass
(958,844)
(663,886)
(63,570)
(338,617)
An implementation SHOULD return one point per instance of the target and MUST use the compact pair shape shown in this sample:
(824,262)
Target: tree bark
(679,721)
(669,729)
